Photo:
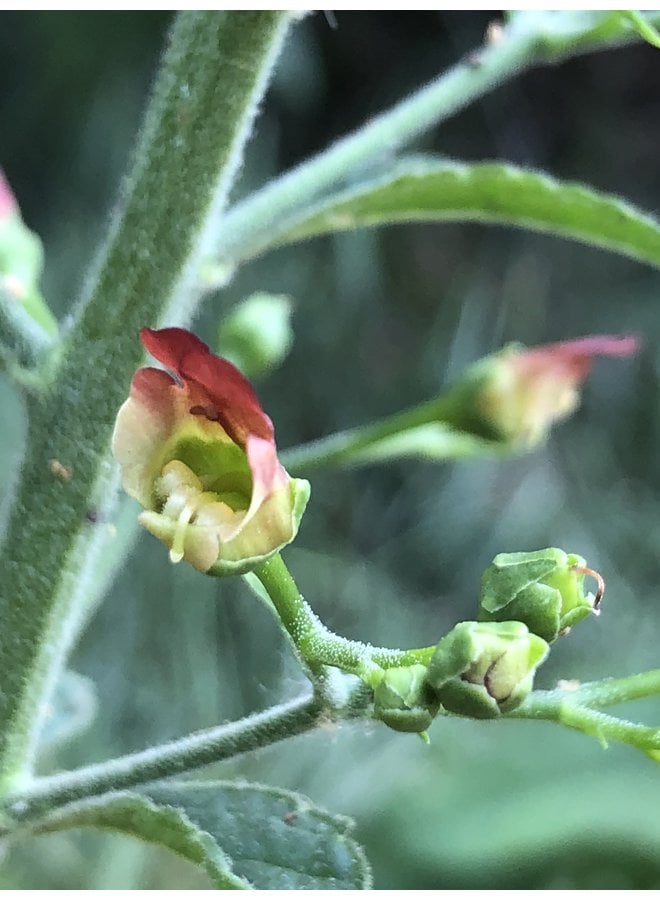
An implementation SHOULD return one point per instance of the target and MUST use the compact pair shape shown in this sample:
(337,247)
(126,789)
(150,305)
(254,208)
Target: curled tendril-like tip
(600,582)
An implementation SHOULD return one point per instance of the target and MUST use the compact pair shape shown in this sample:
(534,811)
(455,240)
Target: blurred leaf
(573,31)
(256,335)
(420,189)
(71,712)
(434,441)
(643,28)
(244,835)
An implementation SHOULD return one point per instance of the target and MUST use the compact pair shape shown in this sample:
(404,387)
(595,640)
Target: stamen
(600,582)
(191,508)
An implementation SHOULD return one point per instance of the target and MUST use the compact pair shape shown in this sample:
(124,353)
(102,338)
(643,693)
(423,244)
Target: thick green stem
(182,755)
(316,644)
(212,77)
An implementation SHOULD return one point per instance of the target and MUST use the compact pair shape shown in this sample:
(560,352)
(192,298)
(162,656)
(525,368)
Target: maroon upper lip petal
(221,392)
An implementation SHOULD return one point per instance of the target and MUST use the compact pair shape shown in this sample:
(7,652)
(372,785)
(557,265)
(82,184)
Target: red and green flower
(198,452)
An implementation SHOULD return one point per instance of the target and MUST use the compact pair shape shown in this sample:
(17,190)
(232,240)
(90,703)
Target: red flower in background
(525,391)
(8,205)
(198,452)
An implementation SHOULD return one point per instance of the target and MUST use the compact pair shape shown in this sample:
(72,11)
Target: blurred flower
(525,391)
(482,669)
(198,452)
(8,205)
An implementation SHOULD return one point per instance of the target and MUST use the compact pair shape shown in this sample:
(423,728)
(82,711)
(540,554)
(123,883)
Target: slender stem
(173,758)
(566,708)
(460,438)
(248,226)
(316,644)
(611,691)
(529,40)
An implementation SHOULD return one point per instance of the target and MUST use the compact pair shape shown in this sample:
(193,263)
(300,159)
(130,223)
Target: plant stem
(248,226)
(212,77)
(316,644)
(611,691)
(456,438)
(173,758)
(569,708)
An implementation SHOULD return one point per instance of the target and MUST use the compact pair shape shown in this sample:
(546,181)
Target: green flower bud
(256,336)
(543,589)
(484,669)
(403,700)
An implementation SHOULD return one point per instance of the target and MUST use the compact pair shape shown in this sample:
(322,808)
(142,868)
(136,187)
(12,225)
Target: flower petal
(8,205)
(225,396)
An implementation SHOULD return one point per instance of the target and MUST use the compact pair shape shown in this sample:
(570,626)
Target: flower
(198,452)
(8,205)
(525,391)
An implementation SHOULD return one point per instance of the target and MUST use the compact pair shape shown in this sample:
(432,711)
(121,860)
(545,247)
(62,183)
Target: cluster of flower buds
(486,668)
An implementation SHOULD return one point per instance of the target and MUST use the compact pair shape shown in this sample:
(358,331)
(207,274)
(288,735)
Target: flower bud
(256,336)
(517,394)
(543,589)
(484,669)
(403,701)
(21,262)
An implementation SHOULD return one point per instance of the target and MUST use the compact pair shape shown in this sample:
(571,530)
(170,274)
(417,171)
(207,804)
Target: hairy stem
(526,41)
(316,644)
(248,226)
(573,709)
(212,76)
(173,758)
(459,439)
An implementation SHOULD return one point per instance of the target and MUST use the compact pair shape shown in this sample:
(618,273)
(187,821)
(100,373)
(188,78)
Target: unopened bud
(403,701)
(482,669)
(544,589)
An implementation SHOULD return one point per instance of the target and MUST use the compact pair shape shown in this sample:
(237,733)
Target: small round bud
(543,589)
(482,669)
(403,701)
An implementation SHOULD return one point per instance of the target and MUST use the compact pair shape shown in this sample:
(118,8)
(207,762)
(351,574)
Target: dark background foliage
(382,319)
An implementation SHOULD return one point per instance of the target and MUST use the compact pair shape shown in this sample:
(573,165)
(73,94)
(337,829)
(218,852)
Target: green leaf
(243,835)
(420,189)
(434,441)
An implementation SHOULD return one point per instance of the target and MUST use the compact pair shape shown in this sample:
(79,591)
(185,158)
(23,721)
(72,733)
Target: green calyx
(209,521)
(403,700)
(483,669)
(544,589)
(21,263)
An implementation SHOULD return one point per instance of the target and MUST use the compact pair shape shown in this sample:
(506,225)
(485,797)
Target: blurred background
(391,555)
